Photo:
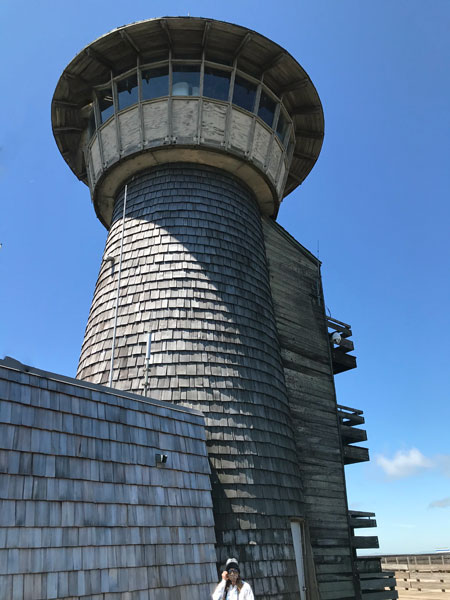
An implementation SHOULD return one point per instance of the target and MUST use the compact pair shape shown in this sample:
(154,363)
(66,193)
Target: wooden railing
(376,584)
(349,420)
(421,574)
(340,347)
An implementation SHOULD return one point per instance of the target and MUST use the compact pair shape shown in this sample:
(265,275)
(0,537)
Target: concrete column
(194,273)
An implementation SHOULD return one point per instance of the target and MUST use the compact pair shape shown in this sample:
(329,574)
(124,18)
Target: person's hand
(224,575)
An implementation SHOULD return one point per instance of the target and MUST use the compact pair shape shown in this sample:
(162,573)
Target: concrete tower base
(194,274)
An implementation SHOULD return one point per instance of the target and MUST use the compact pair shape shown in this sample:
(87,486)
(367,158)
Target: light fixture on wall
(161,459)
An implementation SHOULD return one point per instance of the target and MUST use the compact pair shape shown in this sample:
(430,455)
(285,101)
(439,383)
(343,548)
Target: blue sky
(376,205)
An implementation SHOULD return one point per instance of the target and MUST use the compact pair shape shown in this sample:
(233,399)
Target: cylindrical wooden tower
(195,117)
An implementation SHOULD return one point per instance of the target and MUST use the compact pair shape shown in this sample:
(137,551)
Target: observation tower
(189,133)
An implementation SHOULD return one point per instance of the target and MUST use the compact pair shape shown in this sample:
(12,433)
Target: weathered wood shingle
(84,511)
(194,272)
(298,303)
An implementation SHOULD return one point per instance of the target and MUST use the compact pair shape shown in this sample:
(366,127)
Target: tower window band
(152,82)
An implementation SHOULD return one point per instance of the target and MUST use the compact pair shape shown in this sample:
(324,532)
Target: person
(232,587)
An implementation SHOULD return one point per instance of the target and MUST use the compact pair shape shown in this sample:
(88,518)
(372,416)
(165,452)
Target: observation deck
(185,89)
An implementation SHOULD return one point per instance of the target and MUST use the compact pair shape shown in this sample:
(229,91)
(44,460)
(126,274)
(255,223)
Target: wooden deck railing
(427,574)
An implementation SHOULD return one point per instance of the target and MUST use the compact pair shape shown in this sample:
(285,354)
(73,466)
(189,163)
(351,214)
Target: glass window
(105,104)
(266,108)
(282,126)
(216,83)
(244,93)
(155,82)
(91,124)
(127,91)
(185,80)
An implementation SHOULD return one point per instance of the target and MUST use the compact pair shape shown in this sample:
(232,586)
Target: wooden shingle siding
(299,309)
(84,511)
(194,273)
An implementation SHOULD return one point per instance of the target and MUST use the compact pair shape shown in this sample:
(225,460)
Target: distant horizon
(424,553)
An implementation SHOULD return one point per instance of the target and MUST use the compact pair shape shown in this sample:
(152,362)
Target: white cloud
(404,463)
(444,503)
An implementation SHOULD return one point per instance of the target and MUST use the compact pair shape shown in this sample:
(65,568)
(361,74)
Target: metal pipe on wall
(116,310)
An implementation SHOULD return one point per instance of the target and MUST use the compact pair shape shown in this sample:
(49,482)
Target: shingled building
(189,133)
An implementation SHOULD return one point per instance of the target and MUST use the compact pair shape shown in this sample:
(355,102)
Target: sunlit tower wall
(209,125)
